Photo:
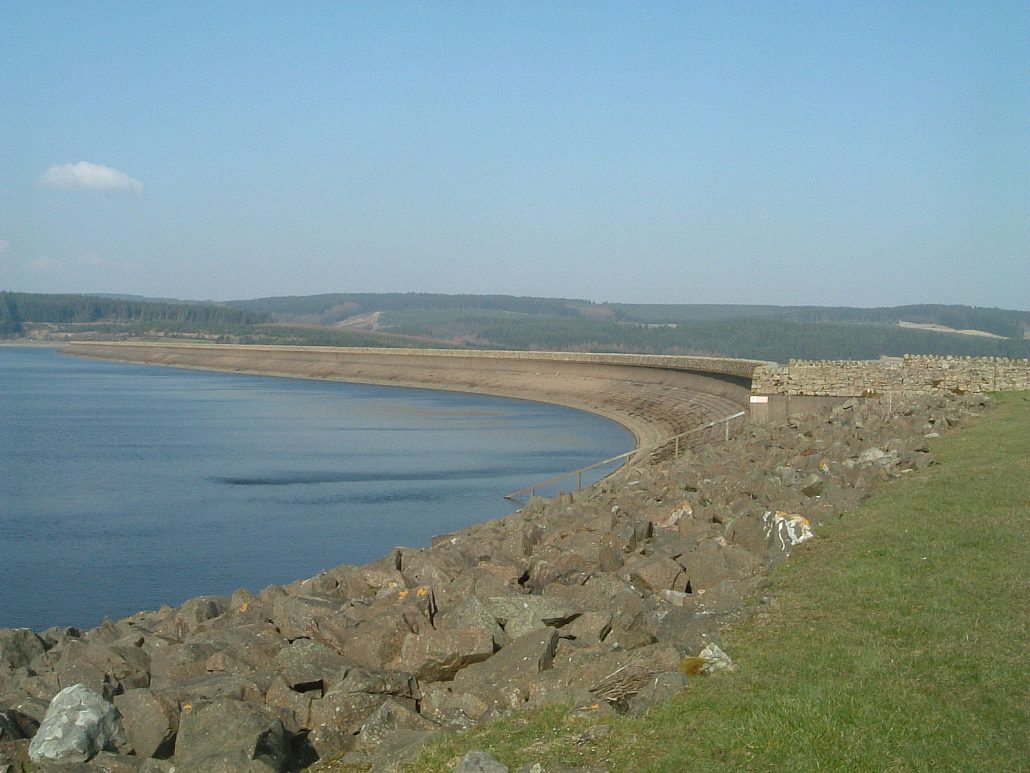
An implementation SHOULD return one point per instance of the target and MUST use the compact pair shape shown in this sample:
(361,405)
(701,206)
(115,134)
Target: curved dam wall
(654,396)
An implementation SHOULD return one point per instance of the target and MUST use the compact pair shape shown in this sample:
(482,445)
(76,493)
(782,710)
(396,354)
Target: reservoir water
(126,487)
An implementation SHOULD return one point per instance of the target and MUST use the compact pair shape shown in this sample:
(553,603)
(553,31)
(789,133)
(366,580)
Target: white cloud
(89,176)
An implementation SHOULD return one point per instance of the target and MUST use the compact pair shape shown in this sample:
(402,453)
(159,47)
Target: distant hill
(1003,322)
(764,332)
(334,307)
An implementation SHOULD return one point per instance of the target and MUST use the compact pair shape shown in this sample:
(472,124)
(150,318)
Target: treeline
(16,309)
(776,333)
(757,338)
(1004,322)
(332,307)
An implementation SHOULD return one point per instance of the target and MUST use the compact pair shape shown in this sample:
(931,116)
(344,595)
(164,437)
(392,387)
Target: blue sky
(761,152)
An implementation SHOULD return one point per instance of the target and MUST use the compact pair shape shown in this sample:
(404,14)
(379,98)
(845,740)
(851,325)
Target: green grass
(899,640)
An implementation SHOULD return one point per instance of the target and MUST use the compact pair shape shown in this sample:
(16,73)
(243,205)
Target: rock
(656,573)
(521,614)
(178,663)
(705,566)
(78,725)
(432,567)
(109,762)
(812,486)
(373,643)
(590,627)
(196,612)
(213,686)
(435,656)
(240,648)
(18,647)
(473,613)
(26,713)
(306,665)
(787,529)
(479,762)
(716,660)
(106,668)
(453,710)
(229,735)
(399,748)
(505,677)
(683,510)
(298,616)
(391,716)
(871,455)
(14,756)
(340,713)
(150,723)
(9,729)
(295,706)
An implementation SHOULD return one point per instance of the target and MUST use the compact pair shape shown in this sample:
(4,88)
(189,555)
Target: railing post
(727,429)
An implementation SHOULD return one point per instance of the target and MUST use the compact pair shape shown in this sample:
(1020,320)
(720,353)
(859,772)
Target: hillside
(764,332)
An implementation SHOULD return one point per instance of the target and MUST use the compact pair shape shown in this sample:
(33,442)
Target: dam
(656,397)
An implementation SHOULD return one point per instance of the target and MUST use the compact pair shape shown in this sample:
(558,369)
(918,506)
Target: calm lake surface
(125,487)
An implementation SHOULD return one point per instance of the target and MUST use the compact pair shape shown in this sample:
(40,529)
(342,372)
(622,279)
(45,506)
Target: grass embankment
(899,640)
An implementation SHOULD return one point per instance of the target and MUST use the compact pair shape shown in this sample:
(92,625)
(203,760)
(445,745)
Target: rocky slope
(603,599)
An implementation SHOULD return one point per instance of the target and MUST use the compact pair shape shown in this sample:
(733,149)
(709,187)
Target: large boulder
(108,668)
(150,721)
(338,716)
(78,725)
(391,716)
(229,735)
(178,663)
(504,679)
(519,615)
(193,614)
(434,656)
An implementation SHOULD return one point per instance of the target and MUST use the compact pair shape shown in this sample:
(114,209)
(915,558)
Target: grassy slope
(898,641)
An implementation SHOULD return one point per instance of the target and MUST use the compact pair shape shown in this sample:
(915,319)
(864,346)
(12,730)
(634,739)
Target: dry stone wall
(895,376)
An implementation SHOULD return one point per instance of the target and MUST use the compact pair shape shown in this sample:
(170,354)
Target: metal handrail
(531,490)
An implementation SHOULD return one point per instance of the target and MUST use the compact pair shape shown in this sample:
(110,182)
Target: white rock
(871,455)
(716,660)
(78,724)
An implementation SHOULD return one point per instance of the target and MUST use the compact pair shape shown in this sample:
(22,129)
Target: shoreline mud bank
(610,598)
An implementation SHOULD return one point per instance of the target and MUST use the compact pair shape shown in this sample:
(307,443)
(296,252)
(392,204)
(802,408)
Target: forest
(776,333)
(16,309)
